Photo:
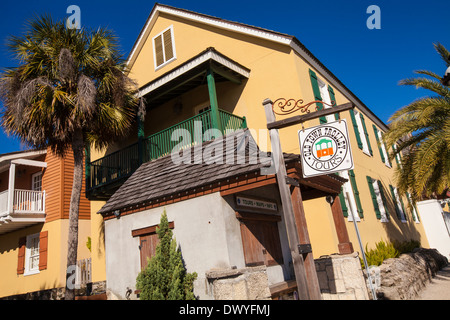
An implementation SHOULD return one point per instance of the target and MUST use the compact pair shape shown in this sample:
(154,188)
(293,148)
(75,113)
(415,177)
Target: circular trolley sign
(325,149)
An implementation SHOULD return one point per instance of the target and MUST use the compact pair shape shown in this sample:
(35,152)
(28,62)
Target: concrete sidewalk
(438,288)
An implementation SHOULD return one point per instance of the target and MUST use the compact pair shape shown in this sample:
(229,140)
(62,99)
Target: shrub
(385,250)
(165,276)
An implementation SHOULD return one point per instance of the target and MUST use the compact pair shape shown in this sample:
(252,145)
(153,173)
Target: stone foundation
(341,277)
(239,284)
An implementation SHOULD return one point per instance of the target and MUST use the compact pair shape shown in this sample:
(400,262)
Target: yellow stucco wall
(276,72)
(55,275)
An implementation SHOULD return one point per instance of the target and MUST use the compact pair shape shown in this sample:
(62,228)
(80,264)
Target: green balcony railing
(118,166)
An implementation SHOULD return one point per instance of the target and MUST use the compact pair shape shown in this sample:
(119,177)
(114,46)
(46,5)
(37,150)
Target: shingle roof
(161,177)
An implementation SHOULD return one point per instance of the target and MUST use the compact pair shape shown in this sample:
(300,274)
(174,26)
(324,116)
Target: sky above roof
(370,62)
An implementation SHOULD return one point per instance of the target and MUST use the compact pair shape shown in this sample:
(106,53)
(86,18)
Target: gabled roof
(258,32)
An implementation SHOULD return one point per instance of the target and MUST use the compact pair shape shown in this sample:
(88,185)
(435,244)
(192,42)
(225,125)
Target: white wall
(205,229)
(433,222)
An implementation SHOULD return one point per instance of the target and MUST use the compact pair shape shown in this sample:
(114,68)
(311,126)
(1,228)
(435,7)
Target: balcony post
(140,128)
(12,177)
(215,117)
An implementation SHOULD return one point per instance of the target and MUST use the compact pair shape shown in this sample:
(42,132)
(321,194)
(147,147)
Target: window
(399,207)
(32,254)
(382,147)
(350,197)
(36,181)
(325,98)
(414,213)
(322,93)
(164,48)
(260,239)
(378,199)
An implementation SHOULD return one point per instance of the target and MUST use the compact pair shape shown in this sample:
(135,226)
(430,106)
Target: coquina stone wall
(404,277)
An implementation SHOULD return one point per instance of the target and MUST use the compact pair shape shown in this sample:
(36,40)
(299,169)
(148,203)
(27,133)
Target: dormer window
(164,48)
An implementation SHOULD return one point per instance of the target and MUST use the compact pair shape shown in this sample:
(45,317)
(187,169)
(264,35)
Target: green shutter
(333,99)
(343,205)
(351,174)
(379,143)
(366,133)
(383,197)
(317,95)
(355,128)
(374,197)
(394,199)
(413,207)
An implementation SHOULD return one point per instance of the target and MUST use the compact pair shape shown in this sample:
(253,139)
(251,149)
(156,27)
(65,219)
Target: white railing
(3,202)
(83,274)
(29,201)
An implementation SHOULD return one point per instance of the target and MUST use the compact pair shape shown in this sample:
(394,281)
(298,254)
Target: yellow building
(35,190)
(198,73)
(190,66)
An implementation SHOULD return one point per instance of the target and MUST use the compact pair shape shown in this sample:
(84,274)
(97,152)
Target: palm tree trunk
(72,248)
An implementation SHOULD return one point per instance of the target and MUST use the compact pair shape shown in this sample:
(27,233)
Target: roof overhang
(191,74)
(20,157)
(262,33)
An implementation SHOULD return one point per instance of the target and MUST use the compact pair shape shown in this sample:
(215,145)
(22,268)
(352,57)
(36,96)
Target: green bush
(385,250)
(165,276)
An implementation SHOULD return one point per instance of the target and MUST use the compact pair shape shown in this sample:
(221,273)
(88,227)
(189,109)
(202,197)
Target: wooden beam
(309,116)
(302,230)
(344,245)
(288,211)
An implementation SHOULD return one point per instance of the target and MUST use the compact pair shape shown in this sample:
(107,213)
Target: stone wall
(341,277)
(404,277)
(239,284)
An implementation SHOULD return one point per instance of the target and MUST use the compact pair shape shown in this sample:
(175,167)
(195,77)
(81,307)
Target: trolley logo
(325,149)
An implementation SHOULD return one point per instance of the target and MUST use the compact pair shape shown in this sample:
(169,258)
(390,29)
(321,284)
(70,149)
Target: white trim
(32,163)
(191,65)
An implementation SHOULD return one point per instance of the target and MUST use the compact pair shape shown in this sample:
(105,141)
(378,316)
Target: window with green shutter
(399,207)
(351,175)
(382,147)
(317,95)
(356,129)
(333,99)
(374,197)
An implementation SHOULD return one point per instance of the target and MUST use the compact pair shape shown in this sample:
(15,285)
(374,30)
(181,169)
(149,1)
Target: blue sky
(368,62)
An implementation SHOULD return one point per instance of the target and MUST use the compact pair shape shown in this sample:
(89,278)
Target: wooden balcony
(28,208)
(106,174)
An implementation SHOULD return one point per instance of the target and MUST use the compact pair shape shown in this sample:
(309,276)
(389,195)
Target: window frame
(28,254)
(157,67)
(33,177)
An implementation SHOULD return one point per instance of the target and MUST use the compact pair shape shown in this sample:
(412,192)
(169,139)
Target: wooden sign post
(293,211)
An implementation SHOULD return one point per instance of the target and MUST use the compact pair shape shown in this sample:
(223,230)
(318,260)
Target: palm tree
(69,91)
(421,131)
